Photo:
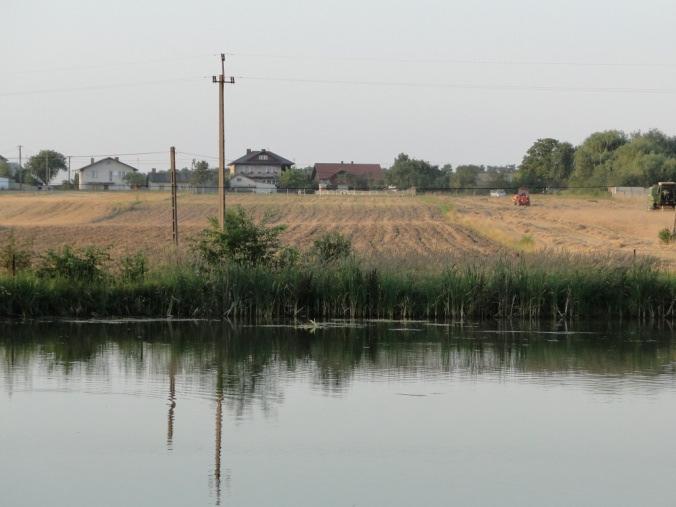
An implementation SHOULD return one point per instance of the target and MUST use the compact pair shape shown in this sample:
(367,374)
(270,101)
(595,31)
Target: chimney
(117,158)
(248,151)
(342,162)
(263,150)
(352,162)
(153,170)
(92,160)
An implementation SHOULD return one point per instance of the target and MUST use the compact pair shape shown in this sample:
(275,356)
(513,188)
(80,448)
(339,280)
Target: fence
(628,192)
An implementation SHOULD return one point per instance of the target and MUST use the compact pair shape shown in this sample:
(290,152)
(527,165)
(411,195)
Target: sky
(447,81)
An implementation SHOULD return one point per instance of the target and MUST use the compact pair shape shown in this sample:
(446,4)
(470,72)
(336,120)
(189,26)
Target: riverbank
(526,287)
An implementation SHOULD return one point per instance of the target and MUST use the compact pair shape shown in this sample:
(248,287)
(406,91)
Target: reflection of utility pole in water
(172,403)
(220,477)
(219,440)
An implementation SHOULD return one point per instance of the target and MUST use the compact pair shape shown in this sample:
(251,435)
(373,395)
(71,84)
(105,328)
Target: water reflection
(240,368)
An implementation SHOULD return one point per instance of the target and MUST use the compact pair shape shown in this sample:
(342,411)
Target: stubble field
(425,227)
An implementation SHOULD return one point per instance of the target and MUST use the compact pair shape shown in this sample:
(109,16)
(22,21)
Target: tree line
(607,158)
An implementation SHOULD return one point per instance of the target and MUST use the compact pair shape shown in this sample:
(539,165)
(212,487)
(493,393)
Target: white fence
(628,192)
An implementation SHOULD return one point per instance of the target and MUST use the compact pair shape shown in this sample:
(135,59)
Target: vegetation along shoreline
(243,272)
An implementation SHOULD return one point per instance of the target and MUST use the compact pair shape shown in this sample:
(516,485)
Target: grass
(118,209)
(524,287)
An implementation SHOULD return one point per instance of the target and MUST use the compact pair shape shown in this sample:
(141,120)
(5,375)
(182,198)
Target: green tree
(547,163)
(593,156)
(44,166)
(135,179)
(240,241)
(643,161)
(295,178)
(466,176)
(407,172)
(445,175)
(5,170)
(201,174)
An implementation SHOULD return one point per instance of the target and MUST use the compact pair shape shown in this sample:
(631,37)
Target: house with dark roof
(105,174)
(260,166)
(2,159)
(350,175)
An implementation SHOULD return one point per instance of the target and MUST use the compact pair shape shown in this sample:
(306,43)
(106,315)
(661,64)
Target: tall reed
(550,286)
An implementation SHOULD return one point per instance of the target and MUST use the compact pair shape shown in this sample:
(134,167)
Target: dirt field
(394,226)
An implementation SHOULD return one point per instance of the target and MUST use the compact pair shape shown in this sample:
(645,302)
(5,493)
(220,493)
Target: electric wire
(463,86)
(462,61)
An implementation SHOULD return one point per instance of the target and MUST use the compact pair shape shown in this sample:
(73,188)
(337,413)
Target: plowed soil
(391,226)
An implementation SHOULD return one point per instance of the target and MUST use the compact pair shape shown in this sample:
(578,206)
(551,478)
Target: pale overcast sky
(446,80)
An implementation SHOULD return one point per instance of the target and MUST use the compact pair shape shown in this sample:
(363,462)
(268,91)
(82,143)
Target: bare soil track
(391,226)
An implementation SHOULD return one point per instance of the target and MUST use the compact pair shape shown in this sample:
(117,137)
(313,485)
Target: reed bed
(537,286)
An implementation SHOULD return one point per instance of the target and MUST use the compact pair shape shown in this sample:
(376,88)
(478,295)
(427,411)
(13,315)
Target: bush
(331,247)
(78,265)
(288,257)
(133,267)
(13,256)
(665,236)
(242,241)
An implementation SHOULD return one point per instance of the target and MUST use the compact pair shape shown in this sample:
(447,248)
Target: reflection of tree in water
(249,366)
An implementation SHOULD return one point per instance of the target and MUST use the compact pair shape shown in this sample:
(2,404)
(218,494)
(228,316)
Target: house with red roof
(352,175)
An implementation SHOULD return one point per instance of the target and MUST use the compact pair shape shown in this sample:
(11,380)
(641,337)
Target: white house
(239,183)
(105,174)
(4,183)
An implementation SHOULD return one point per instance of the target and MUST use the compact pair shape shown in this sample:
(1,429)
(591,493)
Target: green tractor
(663,195)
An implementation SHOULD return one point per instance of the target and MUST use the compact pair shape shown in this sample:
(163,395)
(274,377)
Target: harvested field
(393,226)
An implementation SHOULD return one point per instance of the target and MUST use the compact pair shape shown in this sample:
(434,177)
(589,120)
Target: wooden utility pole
(221,139)
(69,169)
(174,204)
(20,170)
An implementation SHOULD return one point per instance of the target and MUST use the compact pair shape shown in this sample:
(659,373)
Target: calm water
(193,414)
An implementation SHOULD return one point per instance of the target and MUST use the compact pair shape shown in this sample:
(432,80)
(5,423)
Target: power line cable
(405,84)
(101,87)
(464,61)
(196,154)
(77,68)
(464,86)
(118,154)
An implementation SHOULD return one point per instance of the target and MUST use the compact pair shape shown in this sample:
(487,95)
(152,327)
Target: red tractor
(521,198)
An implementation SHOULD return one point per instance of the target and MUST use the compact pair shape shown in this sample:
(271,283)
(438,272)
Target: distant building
(105,174)
(333,175)
(161,180)
(261,166)
(245,184)
(2,159)
(4,183)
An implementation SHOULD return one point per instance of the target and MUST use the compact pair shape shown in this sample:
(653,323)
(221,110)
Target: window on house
(263,157)
(110,175)
(93,175)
